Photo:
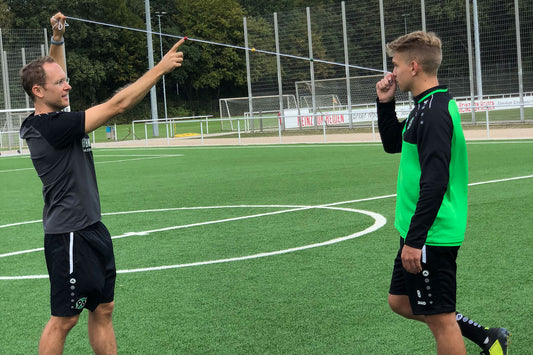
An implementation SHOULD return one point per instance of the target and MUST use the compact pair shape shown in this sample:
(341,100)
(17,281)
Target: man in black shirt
(78,248)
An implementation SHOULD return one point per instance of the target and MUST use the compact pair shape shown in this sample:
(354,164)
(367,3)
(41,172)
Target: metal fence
(327,57)
(17,47)
(326,52)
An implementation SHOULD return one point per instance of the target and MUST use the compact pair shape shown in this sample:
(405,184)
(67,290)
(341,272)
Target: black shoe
(498,340)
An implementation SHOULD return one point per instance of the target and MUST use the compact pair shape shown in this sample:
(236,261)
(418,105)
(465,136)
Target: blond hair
(423,47)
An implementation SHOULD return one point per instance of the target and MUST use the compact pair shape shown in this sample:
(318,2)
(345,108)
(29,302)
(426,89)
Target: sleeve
(434,139)
(390,129)
(62,129)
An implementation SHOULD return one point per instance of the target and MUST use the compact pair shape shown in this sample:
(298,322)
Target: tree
(6,17)
(210,66)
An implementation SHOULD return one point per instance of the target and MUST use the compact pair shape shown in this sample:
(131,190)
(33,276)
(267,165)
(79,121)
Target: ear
(37,91)
(415,67)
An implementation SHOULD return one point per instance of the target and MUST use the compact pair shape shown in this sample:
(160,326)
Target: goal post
(265,115)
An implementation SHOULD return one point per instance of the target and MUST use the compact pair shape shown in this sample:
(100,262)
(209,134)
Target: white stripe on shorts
(424,255)
(71,253)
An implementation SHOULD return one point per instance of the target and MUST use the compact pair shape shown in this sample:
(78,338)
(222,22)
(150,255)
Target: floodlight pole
(153,95)
(405,31)
(159,14)
(519,60)
(405,22)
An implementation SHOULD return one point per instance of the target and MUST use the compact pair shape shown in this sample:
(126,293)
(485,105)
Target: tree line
(102,59)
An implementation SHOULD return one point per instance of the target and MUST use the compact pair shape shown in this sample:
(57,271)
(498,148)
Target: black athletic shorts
(433,291)
(81,266)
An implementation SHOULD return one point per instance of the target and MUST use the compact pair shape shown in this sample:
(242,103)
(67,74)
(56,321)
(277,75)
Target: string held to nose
(255,50)
(58,24)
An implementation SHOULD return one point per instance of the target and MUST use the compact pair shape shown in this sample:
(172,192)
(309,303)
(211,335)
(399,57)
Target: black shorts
(81,266)
(433,291)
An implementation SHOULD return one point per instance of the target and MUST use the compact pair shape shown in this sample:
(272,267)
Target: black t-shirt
(62,156)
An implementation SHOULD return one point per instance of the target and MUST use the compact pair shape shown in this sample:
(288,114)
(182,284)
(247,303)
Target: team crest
(81,303)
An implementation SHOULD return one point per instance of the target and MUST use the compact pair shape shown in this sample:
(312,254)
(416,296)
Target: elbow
(391,149)
(388,150)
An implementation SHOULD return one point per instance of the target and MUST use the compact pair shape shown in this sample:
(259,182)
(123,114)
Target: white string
(58,24)
(229,45)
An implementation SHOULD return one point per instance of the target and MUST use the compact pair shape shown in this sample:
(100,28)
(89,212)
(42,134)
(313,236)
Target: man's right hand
(386,88)
(58,26)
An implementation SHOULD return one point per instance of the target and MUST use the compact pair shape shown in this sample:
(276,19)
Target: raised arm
(57,50)
(390,129)
(129,96)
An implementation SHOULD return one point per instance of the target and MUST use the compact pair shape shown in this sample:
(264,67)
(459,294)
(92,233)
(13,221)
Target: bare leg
(447,334)
(400,305)
(55,333)
(443,326)
(101,332)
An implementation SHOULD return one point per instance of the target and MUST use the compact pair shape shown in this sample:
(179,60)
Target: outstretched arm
(129,96)
(58,30)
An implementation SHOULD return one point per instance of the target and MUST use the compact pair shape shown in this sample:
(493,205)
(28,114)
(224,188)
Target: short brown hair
(34,73)
(423,47)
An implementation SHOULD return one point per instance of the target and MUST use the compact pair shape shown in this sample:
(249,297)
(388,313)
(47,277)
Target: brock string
(225,45)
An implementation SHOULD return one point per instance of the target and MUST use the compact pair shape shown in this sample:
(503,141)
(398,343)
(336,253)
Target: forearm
(122,101)
(58,53)
(129,96)
(132,94)
(390,129)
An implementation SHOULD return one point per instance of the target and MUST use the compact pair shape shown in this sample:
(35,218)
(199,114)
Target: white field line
(144,157)
(292,209)
(379,221)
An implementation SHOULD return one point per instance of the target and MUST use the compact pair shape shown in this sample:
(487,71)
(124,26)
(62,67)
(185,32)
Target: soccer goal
(337,101)
(235,112)
(10,122)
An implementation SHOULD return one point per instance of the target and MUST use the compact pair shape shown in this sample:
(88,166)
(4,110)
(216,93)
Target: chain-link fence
(329,57)
(17,47)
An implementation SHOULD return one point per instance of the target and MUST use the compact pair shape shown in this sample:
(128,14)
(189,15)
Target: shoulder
(58,128)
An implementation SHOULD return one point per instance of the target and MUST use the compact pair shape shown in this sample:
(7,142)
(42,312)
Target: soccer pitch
(282,249)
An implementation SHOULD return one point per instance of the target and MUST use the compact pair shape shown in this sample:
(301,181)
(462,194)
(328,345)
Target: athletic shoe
(497,345)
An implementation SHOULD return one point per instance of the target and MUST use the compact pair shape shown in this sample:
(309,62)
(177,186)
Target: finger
(390,79)
(179,43)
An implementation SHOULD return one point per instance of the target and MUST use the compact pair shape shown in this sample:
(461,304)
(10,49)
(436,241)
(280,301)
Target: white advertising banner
(304,118)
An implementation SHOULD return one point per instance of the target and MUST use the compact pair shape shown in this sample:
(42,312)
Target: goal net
(10,122)
(339,101)
(235,112)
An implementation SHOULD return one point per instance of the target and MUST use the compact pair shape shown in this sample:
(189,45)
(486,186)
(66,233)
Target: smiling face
(52,95)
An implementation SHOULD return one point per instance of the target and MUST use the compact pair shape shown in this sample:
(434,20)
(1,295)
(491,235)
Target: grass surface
(330,299)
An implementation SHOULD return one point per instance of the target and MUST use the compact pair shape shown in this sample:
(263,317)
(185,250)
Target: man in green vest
(431,206)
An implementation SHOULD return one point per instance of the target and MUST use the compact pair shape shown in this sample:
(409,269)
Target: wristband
(57,43)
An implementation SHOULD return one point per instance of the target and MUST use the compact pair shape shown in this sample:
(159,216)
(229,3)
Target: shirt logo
(86,144)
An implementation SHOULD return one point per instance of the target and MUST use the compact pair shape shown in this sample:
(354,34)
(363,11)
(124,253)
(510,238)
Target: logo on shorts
(81,303)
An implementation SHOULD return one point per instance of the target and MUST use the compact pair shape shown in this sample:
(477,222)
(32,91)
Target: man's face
(402,71)
(56,89)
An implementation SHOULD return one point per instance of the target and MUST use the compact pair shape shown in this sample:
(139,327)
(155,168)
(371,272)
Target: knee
(400,305)
(104,310)
(441,322)
(64,324)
